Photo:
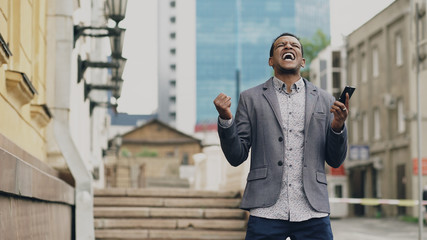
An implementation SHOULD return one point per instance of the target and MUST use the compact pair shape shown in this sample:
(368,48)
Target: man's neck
(288,79)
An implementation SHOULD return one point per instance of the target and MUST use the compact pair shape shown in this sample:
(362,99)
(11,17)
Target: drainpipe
(60,52)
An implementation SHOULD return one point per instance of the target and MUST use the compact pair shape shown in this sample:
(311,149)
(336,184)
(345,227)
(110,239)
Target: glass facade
(236,35)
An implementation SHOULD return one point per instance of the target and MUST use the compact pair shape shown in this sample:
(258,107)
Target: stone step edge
(169,234)
(172,224)
(153,212)
(167,202)
(165,192)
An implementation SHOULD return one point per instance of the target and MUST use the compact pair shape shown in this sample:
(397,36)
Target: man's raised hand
(223,103)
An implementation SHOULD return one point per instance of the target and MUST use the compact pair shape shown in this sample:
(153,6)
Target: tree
(312,47)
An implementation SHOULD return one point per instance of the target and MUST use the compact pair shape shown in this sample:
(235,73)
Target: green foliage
(125,153)
(147,153)
(312,47)
(409,219)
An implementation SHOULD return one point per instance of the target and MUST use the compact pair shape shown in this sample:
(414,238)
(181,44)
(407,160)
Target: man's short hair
(285,34)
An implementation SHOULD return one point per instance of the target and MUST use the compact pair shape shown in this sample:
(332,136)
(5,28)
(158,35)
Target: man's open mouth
(288,56)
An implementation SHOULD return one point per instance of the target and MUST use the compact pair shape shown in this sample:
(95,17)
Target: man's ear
(270,61)
(303,63)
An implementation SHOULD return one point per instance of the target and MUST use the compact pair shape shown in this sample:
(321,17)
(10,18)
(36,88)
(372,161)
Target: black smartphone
(349,90)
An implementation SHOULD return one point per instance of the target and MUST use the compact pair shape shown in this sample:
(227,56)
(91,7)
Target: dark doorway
(401,187)
(357,181)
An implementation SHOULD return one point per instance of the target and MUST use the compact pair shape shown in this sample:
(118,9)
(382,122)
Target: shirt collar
(281,86)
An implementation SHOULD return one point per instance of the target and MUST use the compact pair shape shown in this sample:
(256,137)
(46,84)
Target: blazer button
(280,163)
(280,139)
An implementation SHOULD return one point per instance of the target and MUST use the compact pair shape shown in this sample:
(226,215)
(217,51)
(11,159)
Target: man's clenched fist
(222,103)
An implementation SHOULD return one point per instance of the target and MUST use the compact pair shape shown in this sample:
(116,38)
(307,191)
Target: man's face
(287,55)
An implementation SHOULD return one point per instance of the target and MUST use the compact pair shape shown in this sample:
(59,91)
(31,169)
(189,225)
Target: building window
(173,4)
(355,131)
(375,62)
(172,115)
(185,159)
(401,126)
(399,60)
(173,67)
(172,99)
(172,83)
(172,19)
(365,127)
(336,84)
(336,59)
(338,191)
(354,73)
(364,69)
(377,129)
(173,51)
(173,35)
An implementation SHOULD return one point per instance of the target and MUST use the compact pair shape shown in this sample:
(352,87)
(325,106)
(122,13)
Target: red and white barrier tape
(375,201)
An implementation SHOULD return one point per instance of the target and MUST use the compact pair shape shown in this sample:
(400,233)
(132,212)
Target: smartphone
(349,90)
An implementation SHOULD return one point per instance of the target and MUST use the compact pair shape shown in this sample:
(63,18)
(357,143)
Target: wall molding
(19,87)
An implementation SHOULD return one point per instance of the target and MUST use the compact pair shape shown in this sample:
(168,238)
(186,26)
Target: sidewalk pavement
(375,229)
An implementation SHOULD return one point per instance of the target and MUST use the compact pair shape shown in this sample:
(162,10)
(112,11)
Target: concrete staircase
(161,213)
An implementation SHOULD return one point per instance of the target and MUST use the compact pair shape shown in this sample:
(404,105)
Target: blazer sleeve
(336,144)
(236,139)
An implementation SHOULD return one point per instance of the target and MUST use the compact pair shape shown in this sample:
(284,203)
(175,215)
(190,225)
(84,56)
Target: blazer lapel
(270,94)
(310,103)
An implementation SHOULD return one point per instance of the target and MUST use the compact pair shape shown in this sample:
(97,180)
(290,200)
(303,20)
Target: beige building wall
(381,64)
(34,202)
(23,88)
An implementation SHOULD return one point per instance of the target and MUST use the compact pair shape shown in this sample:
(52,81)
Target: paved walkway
(375,229)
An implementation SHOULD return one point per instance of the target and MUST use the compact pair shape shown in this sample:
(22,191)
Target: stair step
(145,212)
(161,214)
(196,224)
(168,202)
(168,234)
(164,192)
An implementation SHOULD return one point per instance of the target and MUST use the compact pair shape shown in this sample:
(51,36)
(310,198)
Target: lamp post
(418,16)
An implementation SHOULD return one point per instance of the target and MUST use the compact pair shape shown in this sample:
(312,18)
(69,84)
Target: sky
(139,93)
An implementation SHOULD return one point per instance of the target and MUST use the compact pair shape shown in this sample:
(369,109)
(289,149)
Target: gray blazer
(257,126)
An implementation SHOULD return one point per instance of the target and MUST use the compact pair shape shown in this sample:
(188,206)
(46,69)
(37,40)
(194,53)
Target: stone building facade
(381,63)
(154,154)
(34,202)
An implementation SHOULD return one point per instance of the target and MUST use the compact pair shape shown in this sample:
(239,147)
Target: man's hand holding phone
(340,109)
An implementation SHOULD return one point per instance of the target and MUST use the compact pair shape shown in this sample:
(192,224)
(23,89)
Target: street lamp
(116,42)
(117,91)
(82,65)
(117,72)
(115,86)
(105,32)
(116,10)
(93,104)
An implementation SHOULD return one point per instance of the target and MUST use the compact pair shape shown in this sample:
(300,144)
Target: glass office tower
(234,38)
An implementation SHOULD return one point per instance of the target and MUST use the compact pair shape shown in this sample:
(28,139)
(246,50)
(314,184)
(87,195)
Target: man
(292,129)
